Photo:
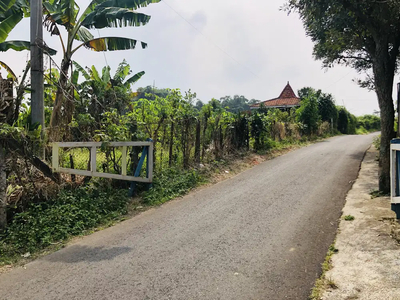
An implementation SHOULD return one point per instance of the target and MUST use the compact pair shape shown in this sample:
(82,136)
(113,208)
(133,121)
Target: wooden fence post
(197,145)
(93,164)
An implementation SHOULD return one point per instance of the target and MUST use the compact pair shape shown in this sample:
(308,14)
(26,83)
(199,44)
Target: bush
(377,142)
(369,122)
(71,213)
(170,184)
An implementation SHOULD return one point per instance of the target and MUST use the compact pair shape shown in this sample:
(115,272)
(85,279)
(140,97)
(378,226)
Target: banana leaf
(23,45)
(112,44)
(113,17)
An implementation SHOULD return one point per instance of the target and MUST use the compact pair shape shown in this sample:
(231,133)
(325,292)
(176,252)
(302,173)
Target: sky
(218,48)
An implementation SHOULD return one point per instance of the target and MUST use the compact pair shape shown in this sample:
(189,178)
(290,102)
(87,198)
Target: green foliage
(149,92)
(11,13)
(308,115)
(347,123)
(369,122)
(326,104)
(349,218)
(71,213)
(343,120)
(172,183)
(103,102)
(377,142)
(327,109)
(237,103)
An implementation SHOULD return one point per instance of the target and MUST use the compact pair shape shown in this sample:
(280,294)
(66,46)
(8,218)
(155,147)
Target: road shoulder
(367,263)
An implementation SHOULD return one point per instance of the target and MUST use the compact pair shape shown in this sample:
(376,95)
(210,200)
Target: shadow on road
(77,253)
(358,155)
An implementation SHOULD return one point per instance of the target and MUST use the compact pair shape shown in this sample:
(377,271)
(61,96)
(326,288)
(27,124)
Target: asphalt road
(260,235)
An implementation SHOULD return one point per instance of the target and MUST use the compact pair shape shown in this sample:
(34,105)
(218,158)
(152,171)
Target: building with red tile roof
(285,101)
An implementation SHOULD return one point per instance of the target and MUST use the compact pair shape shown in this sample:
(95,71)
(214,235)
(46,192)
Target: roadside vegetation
(324,282)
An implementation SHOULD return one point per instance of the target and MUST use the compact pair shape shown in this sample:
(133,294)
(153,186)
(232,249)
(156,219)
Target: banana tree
(99,14)
(104,92)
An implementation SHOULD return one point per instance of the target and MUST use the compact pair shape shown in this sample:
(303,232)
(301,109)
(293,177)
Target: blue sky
(219,48)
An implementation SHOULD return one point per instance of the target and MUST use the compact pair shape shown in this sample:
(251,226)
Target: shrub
(170,184)
(72,212)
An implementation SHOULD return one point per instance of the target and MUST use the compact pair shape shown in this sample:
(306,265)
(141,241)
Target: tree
(327,109)
(326,104)
(365,35)
(150,92)
(236,103)
(308,115)
(199,105)
(369,122)
(343,121)
(100,93)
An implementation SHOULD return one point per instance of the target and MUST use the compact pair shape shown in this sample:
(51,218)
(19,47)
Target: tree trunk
(57,115)
(384,76)
(3,189)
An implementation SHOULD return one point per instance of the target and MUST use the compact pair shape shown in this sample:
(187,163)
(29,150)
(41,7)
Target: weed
(322,282)
(170,184)
(377,194)
(349,218)
(48,223)
(377,142)
(331,283)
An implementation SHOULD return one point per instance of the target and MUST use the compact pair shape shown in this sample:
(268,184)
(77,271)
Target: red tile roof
(287,98)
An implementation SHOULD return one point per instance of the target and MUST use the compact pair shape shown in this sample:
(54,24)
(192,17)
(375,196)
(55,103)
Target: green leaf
(62,12)
(82,70)
(75,77)
(11,13)
(131,4)
(105,74)
(112,44)
(133,79)
(5,66)
(95,74)
(83,35)
(23,45)
(5,5)
(8,24)
(111,17)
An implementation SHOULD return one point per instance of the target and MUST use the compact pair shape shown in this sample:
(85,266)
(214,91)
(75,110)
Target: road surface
(260,235)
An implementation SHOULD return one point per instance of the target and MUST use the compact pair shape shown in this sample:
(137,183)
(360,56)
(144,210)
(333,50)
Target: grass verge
(324,282)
